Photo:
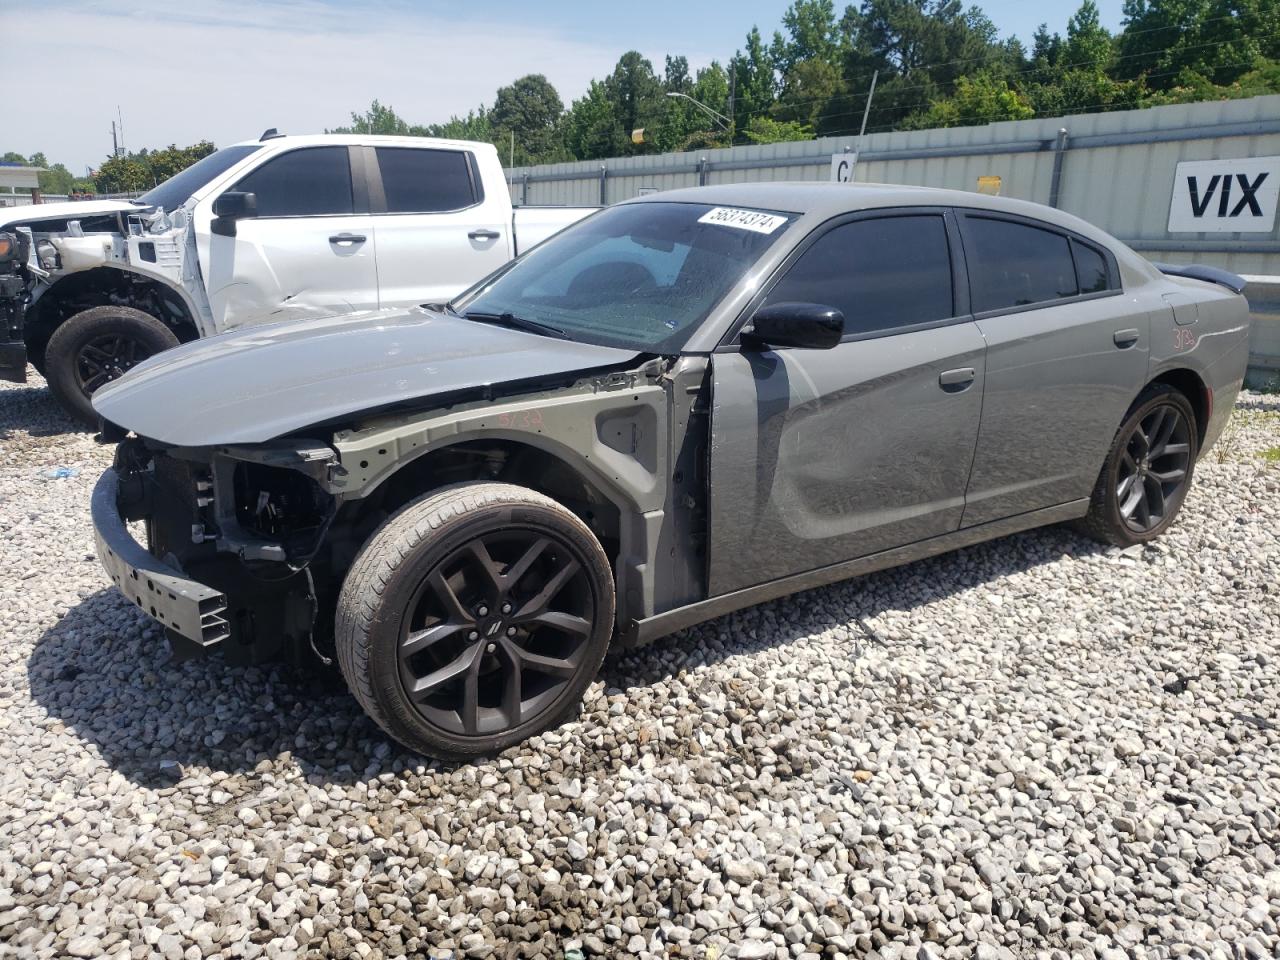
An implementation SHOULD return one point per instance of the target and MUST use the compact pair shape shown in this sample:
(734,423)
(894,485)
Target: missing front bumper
(181,604)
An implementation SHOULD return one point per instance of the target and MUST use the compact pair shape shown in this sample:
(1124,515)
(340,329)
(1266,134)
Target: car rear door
(1066,355)
(822,456)
(438,233)
(309,251)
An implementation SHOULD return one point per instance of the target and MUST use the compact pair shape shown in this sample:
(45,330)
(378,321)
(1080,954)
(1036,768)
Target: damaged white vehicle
(280,228)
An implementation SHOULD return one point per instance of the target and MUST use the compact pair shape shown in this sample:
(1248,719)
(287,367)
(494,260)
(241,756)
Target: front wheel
(96,346)
(1147,472)
(474,618)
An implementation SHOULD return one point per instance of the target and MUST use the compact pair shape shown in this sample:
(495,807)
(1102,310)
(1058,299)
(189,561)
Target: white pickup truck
(280,228)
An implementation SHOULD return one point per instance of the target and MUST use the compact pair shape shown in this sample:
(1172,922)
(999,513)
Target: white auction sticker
(743,219)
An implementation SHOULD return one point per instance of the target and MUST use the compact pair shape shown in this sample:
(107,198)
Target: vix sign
(1225,196)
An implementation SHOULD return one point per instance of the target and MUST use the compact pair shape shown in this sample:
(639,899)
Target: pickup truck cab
(279,228)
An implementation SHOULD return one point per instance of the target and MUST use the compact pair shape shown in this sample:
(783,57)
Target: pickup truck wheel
(98,345)
(474,618)
(1147,472)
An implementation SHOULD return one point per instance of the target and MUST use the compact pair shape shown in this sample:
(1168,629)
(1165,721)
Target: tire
(1119,519)
(398,632)
(82,343)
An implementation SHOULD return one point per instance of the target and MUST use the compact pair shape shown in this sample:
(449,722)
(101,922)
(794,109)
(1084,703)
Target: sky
(180,71)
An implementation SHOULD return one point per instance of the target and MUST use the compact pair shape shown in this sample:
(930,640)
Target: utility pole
(866,111)
(733,120)
(120,116)
(115,144)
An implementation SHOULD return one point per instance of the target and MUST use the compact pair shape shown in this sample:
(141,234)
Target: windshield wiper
(516,323)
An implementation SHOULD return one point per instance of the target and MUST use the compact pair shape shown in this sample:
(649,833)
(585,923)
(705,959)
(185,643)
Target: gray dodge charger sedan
(685,404)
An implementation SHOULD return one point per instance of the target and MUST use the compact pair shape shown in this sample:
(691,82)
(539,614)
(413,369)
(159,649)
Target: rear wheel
(474,618)
(1147,472)
(96,346)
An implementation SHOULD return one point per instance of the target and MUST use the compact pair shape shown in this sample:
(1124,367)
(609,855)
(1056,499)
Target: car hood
(71,210)
(250,386)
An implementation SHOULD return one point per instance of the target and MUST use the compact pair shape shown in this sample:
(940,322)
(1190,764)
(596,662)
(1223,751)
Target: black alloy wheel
(107,358)
(474,618)
(1153,468)
(495,632)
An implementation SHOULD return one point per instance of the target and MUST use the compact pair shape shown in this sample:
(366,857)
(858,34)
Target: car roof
(370,139)
(818,201)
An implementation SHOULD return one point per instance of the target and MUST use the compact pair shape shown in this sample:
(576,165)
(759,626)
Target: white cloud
(228,70)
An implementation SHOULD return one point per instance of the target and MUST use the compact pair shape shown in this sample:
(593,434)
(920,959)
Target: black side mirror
(232,206)
(812,326)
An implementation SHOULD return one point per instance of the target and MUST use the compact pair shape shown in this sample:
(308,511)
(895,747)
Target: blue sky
(227,69)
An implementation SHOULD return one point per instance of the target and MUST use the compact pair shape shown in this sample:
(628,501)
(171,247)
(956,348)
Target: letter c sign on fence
(1225,196)
(842,165)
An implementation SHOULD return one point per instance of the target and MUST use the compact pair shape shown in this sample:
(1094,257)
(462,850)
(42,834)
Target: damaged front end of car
(231,537)
(54,265)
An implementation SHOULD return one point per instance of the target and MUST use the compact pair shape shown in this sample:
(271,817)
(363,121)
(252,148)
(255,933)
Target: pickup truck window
(178,189)
(640,275)
(425,181)
(310,182)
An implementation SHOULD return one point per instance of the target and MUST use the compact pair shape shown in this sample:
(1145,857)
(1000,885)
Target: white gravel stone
(1035,747)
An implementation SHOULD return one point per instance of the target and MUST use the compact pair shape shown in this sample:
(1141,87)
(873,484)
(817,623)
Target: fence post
(702,171)
(1059,151)
(524,190)
(604,176)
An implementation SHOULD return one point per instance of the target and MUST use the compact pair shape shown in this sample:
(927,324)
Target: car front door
(822,456)
(308,252)
(1066,355)
(437,231)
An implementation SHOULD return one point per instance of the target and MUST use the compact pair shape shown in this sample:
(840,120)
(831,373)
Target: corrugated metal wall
(1115,170)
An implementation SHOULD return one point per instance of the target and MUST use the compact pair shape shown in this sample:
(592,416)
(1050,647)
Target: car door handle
(953,381)
(347,238)
(484,234)
(1124,339)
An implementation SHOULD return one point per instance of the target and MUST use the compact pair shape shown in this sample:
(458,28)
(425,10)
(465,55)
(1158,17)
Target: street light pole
(724,121)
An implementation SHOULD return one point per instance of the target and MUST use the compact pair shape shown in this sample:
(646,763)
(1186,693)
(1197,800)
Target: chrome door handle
(347,238)
(953,381)
(484,234)
(1124,339)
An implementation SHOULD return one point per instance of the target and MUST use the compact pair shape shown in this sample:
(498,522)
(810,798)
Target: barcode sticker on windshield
(743,219)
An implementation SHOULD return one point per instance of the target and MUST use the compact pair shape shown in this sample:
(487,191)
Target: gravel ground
(1034,747)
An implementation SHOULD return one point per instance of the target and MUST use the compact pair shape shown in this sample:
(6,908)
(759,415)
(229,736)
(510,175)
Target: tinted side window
(1091,268)
(303,183)
(425,181)
(882,273)
(1012,264)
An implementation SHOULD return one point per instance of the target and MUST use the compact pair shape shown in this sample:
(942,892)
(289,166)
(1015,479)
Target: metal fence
(1116,170)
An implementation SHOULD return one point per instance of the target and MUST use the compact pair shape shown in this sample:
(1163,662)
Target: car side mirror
(811,326)
(232,206)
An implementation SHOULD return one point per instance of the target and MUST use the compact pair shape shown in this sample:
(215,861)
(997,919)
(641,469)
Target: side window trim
(1114,286)
(731,342)
(378,194)
(351,179)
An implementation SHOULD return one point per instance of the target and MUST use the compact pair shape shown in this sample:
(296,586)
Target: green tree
(755,81)
(1088,42)
(378,119)
(592,131)
(123,174)
(977,100)
(636,99)
(768,130)
(531,109)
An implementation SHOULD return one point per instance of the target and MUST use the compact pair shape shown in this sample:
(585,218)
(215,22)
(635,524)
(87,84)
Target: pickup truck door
(438,229)
(309,251)
(823,456)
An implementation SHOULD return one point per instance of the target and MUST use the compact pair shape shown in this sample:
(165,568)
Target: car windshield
(640,276)
(178,189)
